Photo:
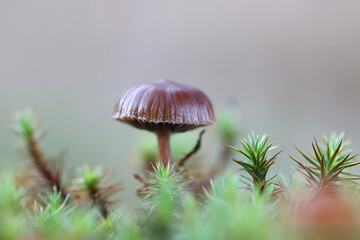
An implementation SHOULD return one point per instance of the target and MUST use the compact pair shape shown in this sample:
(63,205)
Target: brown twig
(140,178)
(98,199)
(51,176)
(192,152)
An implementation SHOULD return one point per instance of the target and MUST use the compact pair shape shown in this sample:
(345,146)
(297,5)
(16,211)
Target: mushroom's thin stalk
(164,147)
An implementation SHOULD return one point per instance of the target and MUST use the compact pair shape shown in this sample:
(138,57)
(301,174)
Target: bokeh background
(290,68)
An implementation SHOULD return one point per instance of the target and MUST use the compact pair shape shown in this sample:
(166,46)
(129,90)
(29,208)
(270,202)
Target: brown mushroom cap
(164,104)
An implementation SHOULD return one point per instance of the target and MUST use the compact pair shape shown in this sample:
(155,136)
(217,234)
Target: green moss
(170,209)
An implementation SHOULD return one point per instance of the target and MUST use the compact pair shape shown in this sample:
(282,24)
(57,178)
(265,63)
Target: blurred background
(289,68)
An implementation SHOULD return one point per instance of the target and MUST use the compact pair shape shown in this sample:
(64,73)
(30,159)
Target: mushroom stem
(164,147)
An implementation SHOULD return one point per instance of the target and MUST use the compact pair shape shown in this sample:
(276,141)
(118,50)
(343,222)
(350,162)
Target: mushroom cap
(164,104)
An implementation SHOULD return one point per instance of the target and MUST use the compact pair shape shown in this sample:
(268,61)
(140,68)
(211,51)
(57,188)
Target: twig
(195,149)
(97,199)
(51,175)
(140,178)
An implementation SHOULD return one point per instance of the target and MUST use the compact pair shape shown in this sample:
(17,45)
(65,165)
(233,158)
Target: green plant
(258,160)
(55,218)
(163,197)
(48,173)
(228,213)
(12,203)
(50,212)
(328,162)
(93,185)
(171,209)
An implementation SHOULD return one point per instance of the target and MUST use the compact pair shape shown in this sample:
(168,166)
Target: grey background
(291,68)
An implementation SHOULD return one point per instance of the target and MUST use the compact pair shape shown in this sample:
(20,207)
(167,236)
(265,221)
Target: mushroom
(164,107)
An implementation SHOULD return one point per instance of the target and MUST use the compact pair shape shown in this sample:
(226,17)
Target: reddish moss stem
(97,199)
(52,176)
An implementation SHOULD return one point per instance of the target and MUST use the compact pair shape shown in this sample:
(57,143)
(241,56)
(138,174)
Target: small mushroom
(164,107)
